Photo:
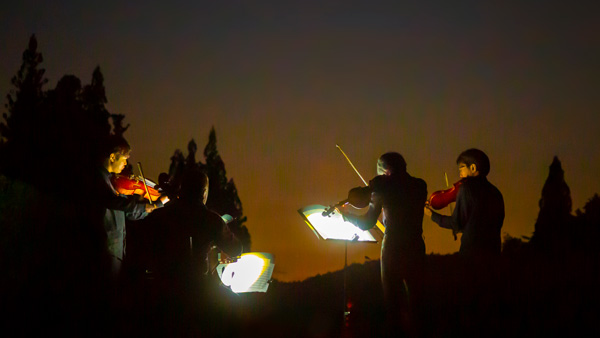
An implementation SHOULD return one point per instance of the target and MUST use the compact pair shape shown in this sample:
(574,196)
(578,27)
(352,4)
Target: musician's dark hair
(194,183)
(477,157)
(393,162)
(116,144)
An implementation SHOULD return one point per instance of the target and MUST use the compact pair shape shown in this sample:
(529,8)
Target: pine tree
(94,100)
(118,128)
(59,132)
(555,224)
(22,125)
(223,197)
(588,223)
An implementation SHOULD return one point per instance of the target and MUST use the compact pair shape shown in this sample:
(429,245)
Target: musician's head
(391,163)
(473,162)
(116,154)
(194,185)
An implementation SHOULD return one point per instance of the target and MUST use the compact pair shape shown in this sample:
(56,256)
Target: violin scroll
(358,197)
(331,209)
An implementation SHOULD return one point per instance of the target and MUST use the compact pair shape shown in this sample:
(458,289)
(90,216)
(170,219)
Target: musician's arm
(224,238)
(457,219)
(369,219)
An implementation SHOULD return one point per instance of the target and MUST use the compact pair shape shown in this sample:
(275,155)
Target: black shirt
(401,197)
(479,215)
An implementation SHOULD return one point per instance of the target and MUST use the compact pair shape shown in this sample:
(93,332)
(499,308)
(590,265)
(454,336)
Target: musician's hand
(345,214)
(427,210)
(164,199)
(150,207)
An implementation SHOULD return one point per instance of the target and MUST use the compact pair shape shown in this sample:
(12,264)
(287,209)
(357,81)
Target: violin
(358,197)
(440,199)
(133,185)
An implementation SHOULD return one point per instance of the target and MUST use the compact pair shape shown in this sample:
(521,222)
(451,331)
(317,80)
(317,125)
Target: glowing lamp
(251,272)
(333,226)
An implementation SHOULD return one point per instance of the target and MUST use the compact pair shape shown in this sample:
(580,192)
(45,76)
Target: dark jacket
(479,215)
(401,198)
(118,208)
(183,234)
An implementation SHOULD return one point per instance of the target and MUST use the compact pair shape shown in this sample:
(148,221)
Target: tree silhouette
(54,133)
(191,158)
(118,128)
(555,223)
(223,196)
(25,100)
(588,223)
(513,246)
(591,212)
(93,98)
(53,240)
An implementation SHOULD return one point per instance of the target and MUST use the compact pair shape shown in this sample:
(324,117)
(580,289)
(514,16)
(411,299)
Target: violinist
(479,209)
(401,198)
(478,214)
(119,207)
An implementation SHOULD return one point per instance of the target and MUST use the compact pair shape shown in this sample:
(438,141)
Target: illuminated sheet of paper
(333,226)
(251,272)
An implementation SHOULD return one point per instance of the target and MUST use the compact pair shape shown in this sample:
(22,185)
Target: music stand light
(333,227)
(251,272)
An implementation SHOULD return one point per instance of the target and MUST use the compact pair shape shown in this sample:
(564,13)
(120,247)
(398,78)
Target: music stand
(251,272)
(333,227)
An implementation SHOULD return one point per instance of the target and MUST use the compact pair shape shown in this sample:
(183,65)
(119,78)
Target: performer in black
(184,232)
(479,210)
(401,198)
(478,214)
(118,206)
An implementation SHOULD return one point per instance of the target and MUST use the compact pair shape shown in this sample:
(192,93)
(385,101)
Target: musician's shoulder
(214,217)
(379,182)
(419,181)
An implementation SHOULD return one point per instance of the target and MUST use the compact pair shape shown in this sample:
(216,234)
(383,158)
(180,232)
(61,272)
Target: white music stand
(334,227)
(251,272)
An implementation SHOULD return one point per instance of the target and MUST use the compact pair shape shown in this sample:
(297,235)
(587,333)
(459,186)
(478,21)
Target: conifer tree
(59,132)
(118,128)
(588,223)
(94,100)
(24,110)
(554,226)
(223,196)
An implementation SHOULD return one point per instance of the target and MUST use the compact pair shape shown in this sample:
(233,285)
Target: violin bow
(380,226)
(352,165)
(139,164)
(447,186)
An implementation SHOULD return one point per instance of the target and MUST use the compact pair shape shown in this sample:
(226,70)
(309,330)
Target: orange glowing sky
(284,83)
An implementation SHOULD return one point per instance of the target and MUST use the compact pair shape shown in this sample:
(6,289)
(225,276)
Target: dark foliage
(528,295)
(555,224)
(25,111)
(54,133)
(53,244)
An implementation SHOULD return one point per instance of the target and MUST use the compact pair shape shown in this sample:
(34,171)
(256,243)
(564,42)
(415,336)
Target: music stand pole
(346,312)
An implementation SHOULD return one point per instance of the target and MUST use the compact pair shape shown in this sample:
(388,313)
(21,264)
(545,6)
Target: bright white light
(334,226)
(245,273)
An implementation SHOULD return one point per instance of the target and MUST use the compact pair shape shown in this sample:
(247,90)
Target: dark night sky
(283,82)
